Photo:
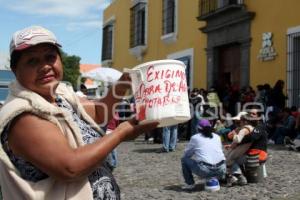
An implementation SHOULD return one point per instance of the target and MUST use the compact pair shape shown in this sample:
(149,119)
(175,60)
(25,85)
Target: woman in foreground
(51,144)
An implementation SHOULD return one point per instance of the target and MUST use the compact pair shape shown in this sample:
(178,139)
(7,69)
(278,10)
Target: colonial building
(237,42)
(139,31)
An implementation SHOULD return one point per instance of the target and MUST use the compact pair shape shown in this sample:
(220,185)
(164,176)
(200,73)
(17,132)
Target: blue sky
(76,23)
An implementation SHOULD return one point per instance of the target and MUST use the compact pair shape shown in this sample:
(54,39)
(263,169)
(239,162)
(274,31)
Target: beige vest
(22,100)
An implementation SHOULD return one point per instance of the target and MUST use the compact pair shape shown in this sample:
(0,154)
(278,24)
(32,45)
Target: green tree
(71,68)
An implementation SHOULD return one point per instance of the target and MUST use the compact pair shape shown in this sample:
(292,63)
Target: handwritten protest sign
(160,91)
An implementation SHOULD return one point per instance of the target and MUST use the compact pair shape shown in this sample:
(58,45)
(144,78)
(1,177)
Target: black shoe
(287,141)
(231,181)
(242,180)
(162,150)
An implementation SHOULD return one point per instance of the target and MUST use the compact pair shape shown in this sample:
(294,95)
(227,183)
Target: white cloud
(79,19)
(4,60)
(79,13)
(87,24)
(67,8)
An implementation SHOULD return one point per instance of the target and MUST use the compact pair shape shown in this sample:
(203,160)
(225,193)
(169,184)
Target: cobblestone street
(144,174)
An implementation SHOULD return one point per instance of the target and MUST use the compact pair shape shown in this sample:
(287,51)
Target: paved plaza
(144,174)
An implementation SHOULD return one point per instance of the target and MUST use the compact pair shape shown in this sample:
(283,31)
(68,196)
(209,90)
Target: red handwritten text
(166,91)
(160,74)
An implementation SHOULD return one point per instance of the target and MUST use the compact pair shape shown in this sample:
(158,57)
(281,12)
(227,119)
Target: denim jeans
(223,132)
(279,134)
(170,137)
(190,166)
(114,158)
(236,155)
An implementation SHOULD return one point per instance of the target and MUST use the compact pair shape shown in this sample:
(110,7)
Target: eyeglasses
(253,113)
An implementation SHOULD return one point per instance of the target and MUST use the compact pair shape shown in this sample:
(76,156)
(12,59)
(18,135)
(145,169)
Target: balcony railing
(211,6)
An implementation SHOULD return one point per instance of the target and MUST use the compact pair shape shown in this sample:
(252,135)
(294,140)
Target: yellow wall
(188,37)
(274,16)
(119,9)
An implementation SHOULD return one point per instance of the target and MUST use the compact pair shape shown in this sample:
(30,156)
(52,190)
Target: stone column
(210,66)
(245,62)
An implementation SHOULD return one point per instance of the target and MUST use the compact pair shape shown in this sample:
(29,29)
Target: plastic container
(160,91)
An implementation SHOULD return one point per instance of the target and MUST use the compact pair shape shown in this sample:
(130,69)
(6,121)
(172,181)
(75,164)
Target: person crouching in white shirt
(204,157)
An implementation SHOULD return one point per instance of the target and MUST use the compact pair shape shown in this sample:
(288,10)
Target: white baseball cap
(239,115)
(31,36)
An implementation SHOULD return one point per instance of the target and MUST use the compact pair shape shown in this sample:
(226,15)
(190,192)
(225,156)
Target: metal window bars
(168,22)
(293,69)
(137,25)
(107,42)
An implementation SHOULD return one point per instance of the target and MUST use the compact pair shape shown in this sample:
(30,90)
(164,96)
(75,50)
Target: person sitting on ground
(51,144)
(258,138)
(204,157)
(295,144)
(236,150)
(273,119)
(224,125)
(221,129)
(286,127)
(295,112)
(251,144)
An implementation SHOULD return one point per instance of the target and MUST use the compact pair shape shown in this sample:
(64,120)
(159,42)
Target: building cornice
(245,17)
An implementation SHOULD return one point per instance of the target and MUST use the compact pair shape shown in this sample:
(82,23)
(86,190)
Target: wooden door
(229,71)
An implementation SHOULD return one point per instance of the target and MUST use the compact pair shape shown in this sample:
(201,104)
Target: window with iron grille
(293,69)
(137,25)
(168,23)
(107,42)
